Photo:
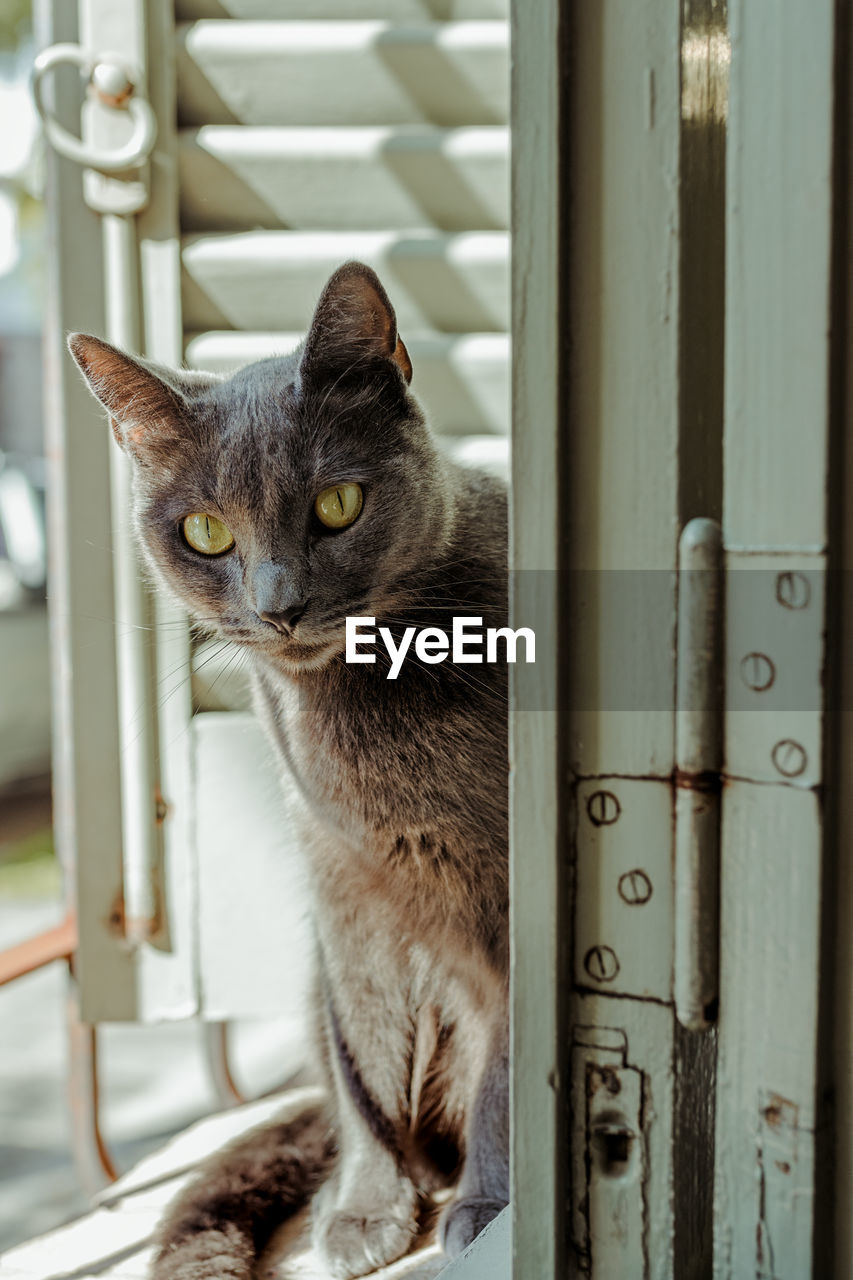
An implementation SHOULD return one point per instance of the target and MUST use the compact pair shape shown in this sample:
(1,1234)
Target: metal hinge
(640,930)
(698,768)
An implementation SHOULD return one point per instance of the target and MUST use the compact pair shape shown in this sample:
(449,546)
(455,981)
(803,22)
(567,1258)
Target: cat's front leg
(483,1189)
(367,1214)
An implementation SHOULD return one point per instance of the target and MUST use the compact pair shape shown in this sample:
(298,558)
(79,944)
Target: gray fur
(403,783)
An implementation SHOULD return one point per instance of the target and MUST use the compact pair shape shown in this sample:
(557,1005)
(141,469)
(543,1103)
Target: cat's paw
(463,1221)
(354,1240)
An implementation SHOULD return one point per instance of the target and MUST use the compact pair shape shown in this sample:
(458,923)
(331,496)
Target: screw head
(757,672)
(789,758)
(603,808)
(793,590)
(601,963)
(635,887)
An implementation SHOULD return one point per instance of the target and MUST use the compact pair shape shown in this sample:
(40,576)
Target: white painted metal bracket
(608,1154)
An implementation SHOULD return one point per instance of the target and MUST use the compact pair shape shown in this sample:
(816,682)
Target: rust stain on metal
(780,1112)
(781,1117)
(161,809)
(116,100)
(603,1077)
(116,920)
(706,781)
(132,929)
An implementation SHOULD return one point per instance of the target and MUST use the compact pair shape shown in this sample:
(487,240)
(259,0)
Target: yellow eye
(339,505)
(207,534)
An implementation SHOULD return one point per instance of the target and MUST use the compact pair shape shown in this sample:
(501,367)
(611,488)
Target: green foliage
(15,21)
(29,869)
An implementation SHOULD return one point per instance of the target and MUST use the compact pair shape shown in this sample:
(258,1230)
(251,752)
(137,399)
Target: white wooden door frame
(773,1201)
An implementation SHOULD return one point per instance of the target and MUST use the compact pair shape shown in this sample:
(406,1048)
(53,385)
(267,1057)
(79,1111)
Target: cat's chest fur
(403,805)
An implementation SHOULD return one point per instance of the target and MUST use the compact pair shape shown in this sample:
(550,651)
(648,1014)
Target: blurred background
(154,1080)
(33,1140)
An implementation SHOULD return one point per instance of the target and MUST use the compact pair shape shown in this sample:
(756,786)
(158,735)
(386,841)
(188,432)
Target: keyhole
(613,1142)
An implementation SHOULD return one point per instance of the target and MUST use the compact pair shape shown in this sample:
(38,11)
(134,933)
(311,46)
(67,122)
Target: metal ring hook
(123,97)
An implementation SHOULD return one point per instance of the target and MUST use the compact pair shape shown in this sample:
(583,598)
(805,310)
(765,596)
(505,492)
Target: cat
(273,504)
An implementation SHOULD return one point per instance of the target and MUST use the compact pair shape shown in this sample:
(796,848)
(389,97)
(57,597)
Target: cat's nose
(286,619)
(278,595)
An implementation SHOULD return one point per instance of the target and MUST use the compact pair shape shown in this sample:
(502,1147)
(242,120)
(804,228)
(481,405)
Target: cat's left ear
(354,323)
(146,404)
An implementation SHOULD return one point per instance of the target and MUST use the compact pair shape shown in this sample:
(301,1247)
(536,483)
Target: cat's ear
(146,405)
(354,323)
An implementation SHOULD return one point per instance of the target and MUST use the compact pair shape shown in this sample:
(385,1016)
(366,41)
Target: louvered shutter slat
(268,279)
(399,10)
(330,73)
(331,179)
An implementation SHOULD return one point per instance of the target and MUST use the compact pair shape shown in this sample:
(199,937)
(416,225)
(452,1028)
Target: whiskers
(233,666)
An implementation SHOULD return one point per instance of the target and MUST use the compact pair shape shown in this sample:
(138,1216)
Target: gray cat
(274,504)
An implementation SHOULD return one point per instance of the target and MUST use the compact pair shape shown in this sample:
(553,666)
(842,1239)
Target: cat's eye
(206,534)
(339,505)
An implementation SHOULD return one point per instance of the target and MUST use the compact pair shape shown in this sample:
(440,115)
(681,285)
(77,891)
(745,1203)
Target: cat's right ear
(146,412)
(354,325)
